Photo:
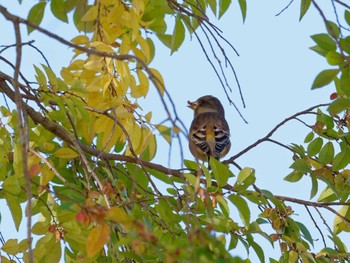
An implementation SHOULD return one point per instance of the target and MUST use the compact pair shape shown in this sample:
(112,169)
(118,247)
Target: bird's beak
(193,105)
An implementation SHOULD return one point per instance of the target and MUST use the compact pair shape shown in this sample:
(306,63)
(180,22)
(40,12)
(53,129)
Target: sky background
(275,68)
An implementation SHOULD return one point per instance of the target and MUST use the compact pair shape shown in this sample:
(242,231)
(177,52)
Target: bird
(209,134)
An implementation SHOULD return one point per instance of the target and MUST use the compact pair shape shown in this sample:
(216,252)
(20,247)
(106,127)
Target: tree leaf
(36,15)
(11,247)
(332,29)
(97,238)
(347,16)
(220,171)
(58,9)
(327,153)
(301,165)
(243,6)
(341,160)
(245,178)
(334,58)
(305,232)
(223,6)
(294,176)
(66,152)
(15,208)
(315,146)
(339,105)
(325,42)
(309,137)
(314,187)
(304,6)
(324,77)
(178,35)
(338,224)
(242,207)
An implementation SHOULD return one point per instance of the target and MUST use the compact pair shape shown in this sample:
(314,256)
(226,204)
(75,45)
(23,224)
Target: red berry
(333,96)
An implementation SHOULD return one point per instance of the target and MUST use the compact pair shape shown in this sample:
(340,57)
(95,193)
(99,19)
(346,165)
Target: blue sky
(275,68)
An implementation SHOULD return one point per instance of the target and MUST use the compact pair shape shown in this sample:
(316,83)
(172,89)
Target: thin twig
(267,136)
(316,225)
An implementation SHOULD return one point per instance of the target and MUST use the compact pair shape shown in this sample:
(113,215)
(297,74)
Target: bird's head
(206,103)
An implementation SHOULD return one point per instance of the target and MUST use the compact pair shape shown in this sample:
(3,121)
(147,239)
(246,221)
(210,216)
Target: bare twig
(316,225)
(267,136)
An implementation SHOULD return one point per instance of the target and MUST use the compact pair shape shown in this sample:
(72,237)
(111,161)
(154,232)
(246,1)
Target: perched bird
(209,132)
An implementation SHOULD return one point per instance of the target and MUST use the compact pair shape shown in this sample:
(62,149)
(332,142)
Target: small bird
(209,132)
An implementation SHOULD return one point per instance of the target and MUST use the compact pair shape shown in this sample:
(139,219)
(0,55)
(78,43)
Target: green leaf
(245,178)
(333,29)
(293,177)
(334,58)
(258,250)
(58,9)
(341,160)
(36,15)
(178,35)
(309,137)
(345,82)
(301,165)
(191,178)
(191,165)
(327,153)
(347,17)
(11,247)
(305,232)
(327,195)
(207,175)
(339,105)
(223,6)
(305,4)
(220,171)
(314,187)
(325,42)
(315,146)
(338,224)
(223,205)
(15,208)
(213,6)
(327,251)
(242,207)
(243,6)
(345,44)
(324,77)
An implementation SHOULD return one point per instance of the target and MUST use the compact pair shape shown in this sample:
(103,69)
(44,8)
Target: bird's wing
(210,133)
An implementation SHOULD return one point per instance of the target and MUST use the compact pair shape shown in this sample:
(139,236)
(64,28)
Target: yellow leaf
(91,14)
(80,40)
(141,89)
(110,138)
(107,2)
(125,45)
(94,63)
(135,22)
(11,247)
(148,116)
(118,215)
(165,132)
(46,175)
(97,238)
(66,153)
(157,79)
(135,135)
(48,146)
(139,6)
(145,48)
